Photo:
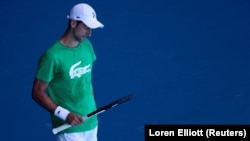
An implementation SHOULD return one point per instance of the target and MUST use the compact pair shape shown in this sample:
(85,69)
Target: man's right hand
(74,119)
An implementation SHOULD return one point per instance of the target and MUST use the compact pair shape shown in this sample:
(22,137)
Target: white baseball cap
(85,13)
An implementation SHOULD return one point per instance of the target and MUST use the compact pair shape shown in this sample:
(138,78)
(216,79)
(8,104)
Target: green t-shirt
(68,73)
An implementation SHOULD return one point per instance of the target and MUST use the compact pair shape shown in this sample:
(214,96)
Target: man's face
(81,31)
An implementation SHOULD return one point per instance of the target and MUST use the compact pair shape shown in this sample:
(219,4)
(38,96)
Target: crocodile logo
(76,71)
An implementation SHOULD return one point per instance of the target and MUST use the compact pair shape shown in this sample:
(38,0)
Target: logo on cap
(94,15)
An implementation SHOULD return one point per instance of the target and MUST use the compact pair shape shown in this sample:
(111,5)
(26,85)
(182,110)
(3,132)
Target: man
(63,83)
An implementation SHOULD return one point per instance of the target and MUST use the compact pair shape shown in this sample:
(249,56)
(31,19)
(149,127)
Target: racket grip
(60,128)
(64,126)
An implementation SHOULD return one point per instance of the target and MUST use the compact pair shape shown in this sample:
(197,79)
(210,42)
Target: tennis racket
(96,112)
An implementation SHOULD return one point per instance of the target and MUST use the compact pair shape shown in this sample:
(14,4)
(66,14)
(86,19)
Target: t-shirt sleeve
(46,68)
(90,46)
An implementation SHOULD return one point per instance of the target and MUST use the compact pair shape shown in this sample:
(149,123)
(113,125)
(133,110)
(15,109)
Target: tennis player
(63,82)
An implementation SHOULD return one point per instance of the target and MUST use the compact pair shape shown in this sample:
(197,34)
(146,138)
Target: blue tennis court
(187,62)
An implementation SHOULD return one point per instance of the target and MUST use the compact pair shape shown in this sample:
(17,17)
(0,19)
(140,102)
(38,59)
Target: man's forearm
(44,100)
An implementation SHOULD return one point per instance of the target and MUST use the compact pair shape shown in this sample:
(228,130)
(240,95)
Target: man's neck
(69,41)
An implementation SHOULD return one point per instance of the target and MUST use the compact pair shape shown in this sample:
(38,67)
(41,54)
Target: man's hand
(74,119)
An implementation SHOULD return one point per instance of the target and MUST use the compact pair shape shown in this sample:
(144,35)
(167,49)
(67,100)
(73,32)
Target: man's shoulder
(51,50)
(86,41)
(55,45)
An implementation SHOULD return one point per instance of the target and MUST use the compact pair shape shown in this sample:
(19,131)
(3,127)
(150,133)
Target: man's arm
(41,97)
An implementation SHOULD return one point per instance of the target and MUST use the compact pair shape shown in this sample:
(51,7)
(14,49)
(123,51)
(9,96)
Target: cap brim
(94,24)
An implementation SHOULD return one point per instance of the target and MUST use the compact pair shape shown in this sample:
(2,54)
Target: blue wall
(187,61)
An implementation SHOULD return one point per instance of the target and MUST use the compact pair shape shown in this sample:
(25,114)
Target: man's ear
(73,23)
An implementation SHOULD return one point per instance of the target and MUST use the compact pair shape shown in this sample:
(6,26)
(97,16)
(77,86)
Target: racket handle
(64,126)
(61,128)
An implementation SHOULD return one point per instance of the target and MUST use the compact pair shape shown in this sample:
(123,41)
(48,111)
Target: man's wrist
(61,112)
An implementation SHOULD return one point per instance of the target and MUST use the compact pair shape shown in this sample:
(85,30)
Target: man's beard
(78,38)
